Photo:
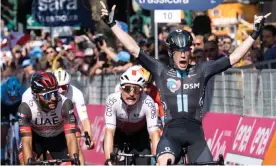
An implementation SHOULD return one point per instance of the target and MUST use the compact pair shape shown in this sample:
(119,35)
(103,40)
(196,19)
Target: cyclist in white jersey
(47,121)
(76,96)
(130,116)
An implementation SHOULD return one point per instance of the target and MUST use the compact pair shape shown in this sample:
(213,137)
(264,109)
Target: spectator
(198,42)
(211,50)
(163,33)
(269,40)
(28,70)
(122,55)
(210,37)
(51,54)
(199,56)
(227,45)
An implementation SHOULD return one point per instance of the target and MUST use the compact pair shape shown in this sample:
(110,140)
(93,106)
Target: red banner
(253,136)
(219,130)
(96,117)
(241,140)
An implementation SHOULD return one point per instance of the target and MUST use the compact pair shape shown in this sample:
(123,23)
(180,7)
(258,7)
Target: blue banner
(62,12)
(178,4)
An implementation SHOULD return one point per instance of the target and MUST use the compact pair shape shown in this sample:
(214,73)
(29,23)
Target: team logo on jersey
(173,85)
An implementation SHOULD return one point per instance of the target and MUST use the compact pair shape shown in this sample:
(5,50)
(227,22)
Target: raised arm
(245,46)
(128,42)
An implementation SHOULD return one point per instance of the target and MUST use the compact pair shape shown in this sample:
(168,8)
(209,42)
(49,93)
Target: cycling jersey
(50,124)
(5,98)
(76,96)
(182,92)
(130,120)
(154,94)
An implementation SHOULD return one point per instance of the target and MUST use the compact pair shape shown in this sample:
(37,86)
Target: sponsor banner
(253,136)
(96,117)
(178,4)
(219,132)
(54,13)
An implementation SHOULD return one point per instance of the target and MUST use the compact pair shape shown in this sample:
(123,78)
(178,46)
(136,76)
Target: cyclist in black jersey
(182,88)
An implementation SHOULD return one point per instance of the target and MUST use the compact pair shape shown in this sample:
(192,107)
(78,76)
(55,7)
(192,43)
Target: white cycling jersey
(75,95)
(130,120)
(48,124)
(77,98)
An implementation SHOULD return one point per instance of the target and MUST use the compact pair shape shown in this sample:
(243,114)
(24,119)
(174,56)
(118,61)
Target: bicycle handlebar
(75,161)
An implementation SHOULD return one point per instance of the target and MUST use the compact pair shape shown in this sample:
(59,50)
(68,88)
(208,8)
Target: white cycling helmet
(132,76)
(63,78)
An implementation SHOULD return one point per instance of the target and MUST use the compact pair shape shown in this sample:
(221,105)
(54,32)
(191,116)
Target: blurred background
(47,35)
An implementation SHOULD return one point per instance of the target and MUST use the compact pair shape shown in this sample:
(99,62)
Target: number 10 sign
(167,16)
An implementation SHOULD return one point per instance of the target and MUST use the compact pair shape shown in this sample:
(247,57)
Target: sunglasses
(135,89)
(63,87)
(49,95)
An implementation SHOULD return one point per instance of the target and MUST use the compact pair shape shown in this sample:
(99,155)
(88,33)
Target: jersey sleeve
(78,99)
(110,113)
(69,118)
(151,114)
(213,67)
(154,66)
(24,117)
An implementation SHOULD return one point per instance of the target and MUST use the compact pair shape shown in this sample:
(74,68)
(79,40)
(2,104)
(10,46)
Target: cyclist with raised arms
(182,88)
(11,94)
(47,121)
(130,116)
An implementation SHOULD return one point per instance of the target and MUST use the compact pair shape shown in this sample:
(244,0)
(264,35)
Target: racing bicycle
(128,158)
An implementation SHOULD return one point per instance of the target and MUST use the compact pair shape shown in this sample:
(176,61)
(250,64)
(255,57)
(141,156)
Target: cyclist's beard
(46,105)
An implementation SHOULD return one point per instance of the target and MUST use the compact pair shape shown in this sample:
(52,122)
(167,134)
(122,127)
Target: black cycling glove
(257,27)
(109,19)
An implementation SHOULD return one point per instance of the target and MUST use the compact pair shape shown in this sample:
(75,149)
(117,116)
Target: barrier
(219,132)
(244,92)
(242,140)
(96,117)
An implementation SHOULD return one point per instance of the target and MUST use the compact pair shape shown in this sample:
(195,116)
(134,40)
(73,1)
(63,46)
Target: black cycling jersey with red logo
(182,92)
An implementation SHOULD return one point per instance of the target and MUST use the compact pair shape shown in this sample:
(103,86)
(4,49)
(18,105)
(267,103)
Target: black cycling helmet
(179,40)
(43,82)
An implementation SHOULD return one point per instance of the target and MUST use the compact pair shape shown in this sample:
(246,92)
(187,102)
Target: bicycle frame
(13,134)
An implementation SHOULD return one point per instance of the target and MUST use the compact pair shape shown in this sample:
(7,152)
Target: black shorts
(184,133)
(57,146)
(6,110)
(138,143)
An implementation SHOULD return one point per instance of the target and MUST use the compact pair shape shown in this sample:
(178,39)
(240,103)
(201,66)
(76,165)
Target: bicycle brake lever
(87,139)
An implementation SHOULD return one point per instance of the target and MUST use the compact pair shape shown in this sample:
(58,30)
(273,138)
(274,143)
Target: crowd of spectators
(93,54)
